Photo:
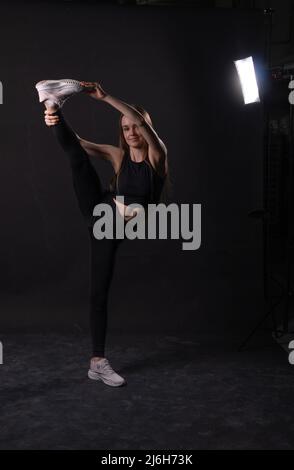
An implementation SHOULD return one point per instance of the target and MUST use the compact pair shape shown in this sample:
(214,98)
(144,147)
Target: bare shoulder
(114,155)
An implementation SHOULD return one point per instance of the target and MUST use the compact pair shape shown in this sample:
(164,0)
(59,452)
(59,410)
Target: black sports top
(138,182)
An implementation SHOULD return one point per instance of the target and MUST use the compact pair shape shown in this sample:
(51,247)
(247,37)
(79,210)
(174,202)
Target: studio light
(246,72)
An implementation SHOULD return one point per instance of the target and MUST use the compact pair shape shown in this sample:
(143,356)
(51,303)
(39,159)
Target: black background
(178,64)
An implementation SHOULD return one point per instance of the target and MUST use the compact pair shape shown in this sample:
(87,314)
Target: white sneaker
(102,370)
(58,91)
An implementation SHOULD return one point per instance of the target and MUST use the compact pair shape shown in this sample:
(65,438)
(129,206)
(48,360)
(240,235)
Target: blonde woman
(140,170)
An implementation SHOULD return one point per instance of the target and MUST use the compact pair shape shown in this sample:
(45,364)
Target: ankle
(96,359)
(51,106)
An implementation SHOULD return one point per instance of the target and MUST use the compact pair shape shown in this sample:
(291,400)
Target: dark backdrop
(178,64)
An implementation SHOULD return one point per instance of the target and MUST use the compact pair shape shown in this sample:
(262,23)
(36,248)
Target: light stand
(285,72)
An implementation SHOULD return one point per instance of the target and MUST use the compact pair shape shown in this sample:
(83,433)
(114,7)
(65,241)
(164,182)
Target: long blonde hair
(166,190)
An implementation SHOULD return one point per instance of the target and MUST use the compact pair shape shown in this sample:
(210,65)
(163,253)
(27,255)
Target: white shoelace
(107,368)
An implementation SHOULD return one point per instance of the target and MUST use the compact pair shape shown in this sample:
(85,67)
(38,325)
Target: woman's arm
(107,152)
(145,128)
(96,91)
(157,149)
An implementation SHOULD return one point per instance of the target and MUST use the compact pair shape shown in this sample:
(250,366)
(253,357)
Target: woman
(140,169)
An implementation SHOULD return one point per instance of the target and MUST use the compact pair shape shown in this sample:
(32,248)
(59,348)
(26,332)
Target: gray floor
(181,393)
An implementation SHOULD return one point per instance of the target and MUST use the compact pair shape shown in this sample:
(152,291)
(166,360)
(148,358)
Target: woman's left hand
(94,89)
(124,210)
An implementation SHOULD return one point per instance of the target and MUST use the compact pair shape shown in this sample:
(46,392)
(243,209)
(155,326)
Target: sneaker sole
(95,376)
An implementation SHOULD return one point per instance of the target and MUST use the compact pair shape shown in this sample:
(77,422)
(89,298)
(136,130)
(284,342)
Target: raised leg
(86,182)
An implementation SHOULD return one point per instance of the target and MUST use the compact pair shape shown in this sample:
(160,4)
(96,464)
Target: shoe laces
(71,82)
(107,367)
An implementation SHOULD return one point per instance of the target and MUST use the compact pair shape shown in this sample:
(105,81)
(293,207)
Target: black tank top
(138,182)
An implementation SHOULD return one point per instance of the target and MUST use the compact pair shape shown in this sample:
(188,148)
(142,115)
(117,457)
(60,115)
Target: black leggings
(89,192)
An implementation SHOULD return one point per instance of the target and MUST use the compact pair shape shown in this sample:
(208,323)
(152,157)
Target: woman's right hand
(94,89)
(51,120)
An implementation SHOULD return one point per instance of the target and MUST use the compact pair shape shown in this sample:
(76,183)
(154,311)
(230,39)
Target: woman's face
(131,133)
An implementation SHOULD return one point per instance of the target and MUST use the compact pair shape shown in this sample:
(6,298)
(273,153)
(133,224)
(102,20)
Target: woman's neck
(138,155)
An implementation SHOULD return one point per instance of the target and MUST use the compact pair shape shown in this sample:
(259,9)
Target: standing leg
(102,260)
(86,182)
